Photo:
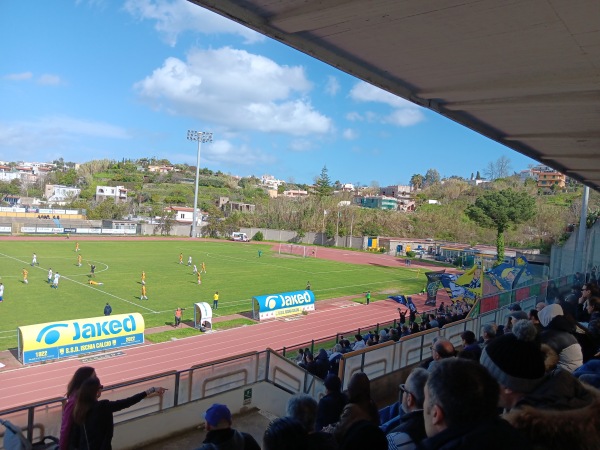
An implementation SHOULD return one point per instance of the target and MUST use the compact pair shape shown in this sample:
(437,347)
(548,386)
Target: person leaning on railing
(93,424)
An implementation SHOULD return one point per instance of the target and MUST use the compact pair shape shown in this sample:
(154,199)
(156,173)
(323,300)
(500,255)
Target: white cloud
(18,76)
(237,90)
(333,85)
(405,113)
(56,133)
(49,80)
(300,145)
(405,117)
(349,134)
(225,152)
(354,116)
(178,16)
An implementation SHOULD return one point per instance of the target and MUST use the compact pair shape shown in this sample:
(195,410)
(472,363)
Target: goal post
(303,251)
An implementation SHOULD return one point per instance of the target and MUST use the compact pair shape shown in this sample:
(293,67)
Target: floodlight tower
(201,137)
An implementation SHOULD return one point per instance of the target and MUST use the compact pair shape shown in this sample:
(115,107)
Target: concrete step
(253,422)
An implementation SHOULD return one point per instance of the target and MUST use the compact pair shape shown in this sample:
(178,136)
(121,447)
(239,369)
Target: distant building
(544,176)
(433,202)
(477,181)
(185,215)
(58,193)
(270,181)
(295,193)
(396,191)
(118,193)
(377,202)
(348,187)
(12,200)
(227,206)
(161,169)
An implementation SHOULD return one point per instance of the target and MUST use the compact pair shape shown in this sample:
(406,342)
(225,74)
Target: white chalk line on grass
(86,284)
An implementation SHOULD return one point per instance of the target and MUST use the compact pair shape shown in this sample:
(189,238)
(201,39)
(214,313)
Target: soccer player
(190,261)
(143,296)
(76,246)
(92,270)
(34,260)
(143,277)
(195,269)
(199,278)
(216,300)
(55,282)
(25,274)
(50,275)
(79,260)
(181,258)
(203,267)
(1,292)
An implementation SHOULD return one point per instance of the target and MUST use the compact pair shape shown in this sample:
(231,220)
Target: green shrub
(411,254)
(258,236)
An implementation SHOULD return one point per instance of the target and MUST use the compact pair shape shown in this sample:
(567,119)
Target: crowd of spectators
(529,383)
(327,360)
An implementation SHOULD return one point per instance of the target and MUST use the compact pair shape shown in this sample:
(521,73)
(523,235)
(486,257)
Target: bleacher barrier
(211,380)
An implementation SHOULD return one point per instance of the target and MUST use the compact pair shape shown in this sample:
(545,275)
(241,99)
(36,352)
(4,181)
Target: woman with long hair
(80,375)
(93,424)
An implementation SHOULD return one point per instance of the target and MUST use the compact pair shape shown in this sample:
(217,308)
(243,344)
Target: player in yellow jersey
(203,267)
(25,274)
(181,258)
(76,246)
(143,296)
(199,277)
(79,260)
(143,277)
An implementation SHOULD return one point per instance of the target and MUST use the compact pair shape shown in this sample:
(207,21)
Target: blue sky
(101,79)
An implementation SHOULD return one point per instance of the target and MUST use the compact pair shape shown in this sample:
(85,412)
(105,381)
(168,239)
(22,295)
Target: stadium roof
(525,73)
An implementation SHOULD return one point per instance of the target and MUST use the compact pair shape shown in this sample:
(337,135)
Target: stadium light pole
(200,137)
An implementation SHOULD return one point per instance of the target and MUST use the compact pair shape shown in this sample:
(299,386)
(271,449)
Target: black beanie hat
(515,360)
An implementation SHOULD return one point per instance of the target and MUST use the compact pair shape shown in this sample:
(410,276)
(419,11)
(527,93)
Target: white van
(238,236)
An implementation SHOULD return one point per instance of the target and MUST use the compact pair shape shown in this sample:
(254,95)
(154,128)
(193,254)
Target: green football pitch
(233,269)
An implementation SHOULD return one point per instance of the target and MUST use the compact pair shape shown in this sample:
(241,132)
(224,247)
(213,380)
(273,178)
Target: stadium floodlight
(201,137)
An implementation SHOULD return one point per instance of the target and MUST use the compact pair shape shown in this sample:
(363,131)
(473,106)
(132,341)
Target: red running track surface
(44,381)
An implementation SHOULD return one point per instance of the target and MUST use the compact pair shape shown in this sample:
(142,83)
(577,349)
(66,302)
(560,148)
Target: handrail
(497,313)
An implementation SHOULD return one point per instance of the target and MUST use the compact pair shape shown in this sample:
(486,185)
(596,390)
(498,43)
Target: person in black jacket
(332,403)
(93,424)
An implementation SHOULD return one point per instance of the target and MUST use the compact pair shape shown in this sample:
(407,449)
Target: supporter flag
(411,305)
(466,287)
(509,275)
(433,284)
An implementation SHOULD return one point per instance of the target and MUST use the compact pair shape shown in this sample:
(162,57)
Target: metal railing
(218,377)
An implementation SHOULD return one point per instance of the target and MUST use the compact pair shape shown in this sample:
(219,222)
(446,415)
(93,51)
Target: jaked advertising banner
(67,338)
(284,304)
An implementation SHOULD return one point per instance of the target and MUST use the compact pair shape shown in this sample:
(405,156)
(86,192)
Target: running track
(44,381)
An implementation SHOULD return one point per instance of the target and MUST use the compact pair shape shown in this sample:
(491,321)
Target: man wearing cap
(558,333)
(549,407)
(332,403)
(220,434)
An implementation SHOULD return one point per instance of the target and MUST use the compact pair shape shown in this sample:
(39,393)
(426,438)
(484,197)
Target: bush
(258,236)
(411,254)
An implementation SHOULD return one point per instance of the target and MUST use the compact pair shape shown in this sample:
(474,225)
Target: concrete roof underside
(525,73)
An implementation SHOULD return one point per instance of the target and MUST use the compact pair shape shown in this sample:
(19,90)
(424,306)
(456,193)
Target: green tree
(432,176)
(500,210)
(323,185)
(416,181)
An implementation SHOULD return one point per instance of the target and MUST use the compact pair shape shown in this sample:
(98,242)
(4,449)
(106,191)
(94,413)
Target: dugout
(202,315)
